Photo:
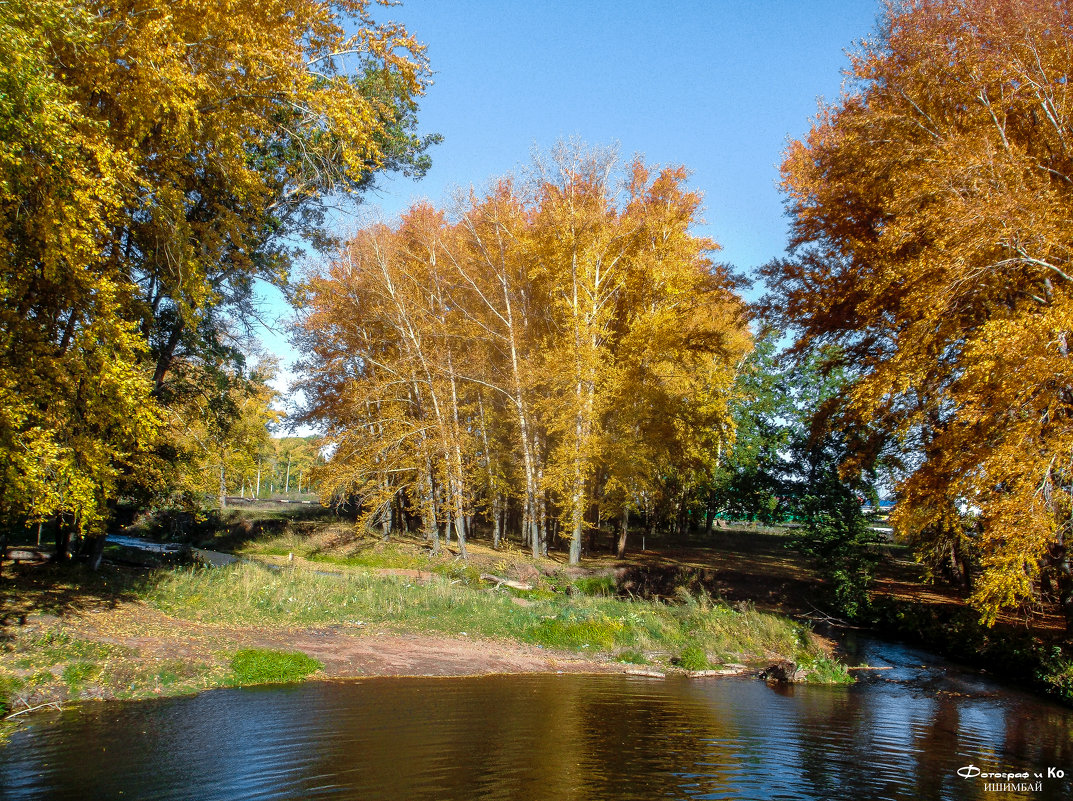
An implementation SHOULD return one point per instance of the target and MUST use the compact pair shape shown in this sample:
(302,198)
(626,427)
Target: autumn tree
(156,160)
(932,209)
(223,430)
(563,346)
(295,458)
(74,399)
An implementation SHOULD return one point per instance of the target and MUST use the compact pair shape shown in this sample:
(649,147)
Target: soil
(347,651)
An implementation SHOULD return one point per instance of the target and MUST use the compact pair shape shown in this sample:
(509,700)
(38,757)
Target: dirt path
(347,651)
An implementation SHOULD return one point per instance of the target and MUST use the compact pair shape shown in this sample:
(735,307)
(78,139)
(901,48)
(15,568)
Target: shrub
(824,670)
(694,658)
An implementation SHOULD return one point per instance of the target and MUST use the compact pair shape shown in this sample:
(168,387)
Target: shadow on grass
(62,590)
(234,527)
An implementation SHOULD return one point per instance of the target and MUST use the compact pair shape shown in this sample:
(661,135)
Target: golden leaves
(937,194)
(556,344)
(154,160)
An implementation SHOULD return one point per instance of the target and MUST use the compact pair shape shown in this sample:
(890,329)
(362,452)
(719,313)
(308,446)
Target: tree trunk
(167,355)
(1063,567)
(385,520)
(223,488)
(460,534)
(622,533)
(497,520)
(62,539)
(428,513)
(96,553)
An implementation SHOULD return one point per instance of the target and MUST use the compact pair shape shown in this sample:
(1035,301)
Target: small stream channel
(925,729)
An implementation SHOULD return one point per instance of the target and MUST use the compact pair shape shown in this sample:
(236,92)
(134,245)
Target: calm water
(903,736)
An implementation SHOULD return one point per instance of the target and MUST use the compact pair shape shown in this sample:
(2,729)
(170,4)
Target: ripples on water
(541,737)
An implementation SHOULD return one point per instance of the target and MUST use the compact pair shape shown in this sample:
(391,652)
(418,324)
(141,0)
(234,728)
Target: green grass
(252,595)
(602,586)
(694,658)
(77,675)
(9,685)
(823,670)
(263,666)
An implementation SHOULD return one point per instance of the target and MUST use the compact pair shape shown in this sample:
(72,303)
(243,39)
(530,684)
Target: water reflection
(537,737)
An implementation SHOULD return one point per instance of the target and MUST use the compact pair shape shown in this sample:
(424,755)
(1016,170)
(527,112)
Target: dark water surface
(902,736)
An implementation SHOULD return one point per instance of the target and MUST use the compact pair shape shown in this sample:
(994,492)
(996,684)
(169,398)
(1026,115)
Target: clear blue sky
(716,86)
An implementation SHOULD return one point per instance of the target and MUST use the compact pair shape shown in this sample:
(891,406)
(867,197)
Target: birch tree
(570,332)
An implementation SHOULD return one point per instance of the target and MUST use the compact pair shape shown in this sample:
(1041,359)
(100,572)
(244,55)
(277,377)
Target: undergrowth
(300,596)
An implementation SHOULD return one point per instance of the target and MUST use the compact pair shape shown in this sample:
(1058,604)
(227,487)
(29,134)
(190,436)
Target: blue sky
(716,86)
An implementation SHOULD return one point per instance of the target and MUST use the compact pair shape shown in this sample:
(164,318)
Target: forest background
(925,291)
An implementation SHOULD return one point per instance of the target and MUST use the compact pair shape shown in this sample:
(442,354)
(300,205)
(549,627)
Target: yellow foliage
(564,346)
(932,215)
(155,159)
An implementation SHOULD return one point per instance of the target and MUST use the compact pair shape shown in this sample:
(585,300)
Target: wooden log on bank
(500,582)
(17,555)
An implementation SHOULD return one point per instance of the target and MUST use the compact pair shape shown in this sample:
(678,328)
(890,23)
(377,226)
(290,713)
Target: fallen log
(500,582)
(652,674)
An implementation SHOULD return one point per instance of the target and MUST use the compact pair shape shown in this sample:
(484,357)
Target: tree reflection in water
(570,738)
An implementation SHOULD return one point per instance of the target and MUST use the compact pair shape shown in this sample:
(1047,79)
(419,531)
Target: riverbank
(127,633)
(737,602)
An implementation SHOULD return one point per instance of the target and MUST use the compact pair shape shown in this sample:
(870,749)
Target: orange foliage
(932,213)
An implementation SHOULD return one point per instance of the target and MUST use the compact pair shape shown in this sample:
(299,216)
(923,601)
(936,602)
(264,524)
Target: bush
(1056,675)
(694,658)
(824,670)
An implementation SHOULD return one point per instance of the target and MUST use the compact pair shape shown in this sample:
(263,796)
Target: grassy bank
(643,632)
(73,635)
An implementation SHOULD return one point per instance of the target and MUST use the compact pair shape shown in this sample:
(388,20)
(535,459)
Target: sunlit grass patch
(824,670)
(76,675)
(264,666)
(601,586)
(302,595)
(576,629)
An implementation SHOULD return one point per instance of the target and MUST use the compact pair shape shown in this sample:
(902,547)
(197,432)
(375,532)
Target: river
(921,730)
